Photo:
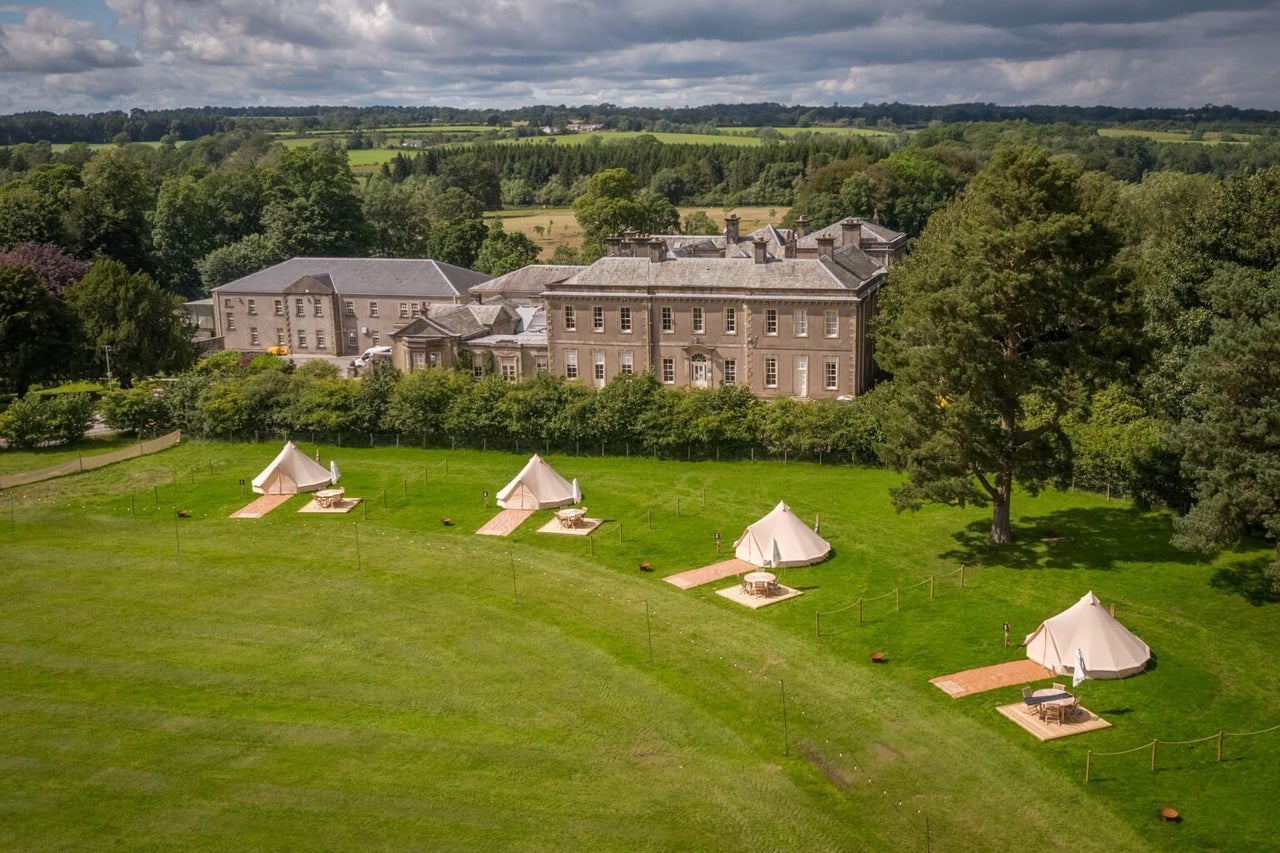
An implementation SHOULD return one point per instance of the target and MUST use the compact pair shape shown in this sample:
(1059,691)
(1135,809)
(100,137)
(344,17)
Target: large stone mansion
(785,312)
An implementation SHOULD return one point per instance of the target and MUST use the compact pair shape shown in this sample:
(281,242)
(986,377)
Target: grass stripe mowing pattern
(351,682)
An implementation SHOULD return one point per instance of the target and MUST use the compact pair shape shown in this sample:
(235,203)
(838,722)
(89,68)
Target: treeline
(230,397)
(548,173)
(199,214)
(190,123)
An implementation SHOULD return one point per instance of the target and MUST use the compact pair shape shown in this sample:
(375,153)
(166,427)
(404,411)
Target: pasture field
(606,136)
(559,226)
(381,680)
(1210,137)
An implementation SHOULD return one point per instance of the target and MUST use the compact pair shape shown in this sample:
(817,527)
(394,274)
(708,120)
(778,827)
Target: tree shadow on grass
(1249,580)
(1076,538)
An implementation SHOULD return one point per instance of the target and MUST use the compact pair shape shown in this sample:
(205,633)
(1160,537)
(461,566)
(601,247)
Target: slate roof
(699,245)
(391,277)
(702,275)
(854,261)
(868,231)
(460,321)
(527,282)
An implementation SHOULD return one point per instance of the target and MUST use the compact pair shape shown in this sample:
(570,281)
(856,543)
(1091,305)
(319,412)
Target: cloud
(164,53)
(46,42)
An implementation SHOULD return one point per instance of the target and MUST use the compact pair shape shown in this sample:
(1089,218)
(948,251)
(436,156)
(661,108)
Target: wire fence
(1153,747)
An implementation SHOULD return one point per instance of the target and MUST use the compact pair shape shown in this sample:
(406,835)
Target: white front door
(699,371)
(802,376)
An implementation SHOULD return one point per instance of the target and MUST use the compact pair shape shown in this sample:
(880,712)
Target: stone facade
(334,306)
(703,312)
(785,312)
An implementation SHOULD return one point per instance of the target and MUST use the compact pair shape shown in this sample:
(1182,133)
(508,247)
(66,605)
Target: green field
(607,136)
(1209,137)
(380,680)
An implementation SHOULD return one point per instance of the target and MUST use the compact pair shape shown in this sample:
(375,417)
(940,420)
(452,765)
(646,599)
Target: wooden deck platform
(708,574)
(1083,720)
(261,506)
(504,522)
(986,678)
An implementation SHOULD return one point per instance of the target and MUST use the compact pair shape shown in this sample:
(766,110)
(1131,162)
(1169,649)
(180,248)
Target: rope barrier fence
(896,592)
(1156,743)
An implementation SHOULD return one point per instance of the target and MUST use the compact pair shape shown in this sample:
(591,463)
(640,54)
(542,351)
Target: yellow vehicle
(278,350)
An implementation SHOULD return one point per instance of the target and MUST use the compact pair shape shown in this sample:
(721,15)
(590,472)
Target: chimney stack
(851,230)
(758,247)
(731,228)
(825,243)
(802,227)
(612,242)
(657,249)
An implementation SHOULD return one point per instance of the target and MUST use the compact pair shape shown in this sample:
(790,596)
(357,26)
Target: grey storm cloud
(165,53)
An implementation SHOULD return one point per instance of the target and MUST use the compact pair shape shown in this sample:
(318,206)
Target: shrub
(34,421)
(137,410)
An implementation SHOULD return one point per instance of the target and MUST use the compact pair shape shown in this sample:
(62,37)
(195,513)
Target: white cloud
(46,42)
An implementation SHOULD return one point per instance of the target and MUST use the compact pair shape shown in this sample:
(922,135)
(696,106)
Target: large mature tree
(39,335)
(49,262)
(615,202)
(504,251)
(228,263)
(903,189)
(108,216)
(1218,297)
(145,326)
(1230,434)
(312,207)
(993,329)
(397,214)
(457,228)
(468,172)
(185,228)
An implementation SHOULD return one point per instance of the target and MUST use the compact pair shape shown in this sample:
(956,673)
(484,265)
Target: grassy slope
(382,680)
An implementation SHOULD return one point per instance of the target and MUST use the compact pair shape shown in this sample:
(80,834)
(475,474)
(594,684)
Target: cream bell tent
(780,539)
(1109,649)
(292,471)
(537,486)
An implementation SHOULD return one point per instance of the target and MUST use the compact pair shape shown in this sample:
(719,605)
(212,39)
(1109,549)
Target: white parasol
(577,492)
(333,473)
(1081,673)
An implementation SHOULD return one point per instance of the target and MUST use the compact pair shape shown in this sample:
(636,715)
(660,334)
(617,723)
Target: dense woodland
(194,122)
(1076,308)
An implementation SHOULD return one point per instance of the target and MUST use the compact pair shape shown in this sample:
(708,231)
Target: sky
(79,56)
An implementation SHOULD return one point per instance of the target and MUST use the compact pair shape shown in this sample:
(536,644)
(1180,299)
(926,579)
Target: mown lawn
(381,680)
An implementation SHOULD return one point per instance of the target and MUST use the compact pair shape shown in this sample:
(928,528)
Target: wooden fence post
(817,623)
(1219,745)
(1153,754)
(859,611)
(1088,759)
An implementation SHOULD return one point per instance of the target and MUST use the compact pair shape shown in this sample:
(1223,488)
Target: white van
(371,355)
